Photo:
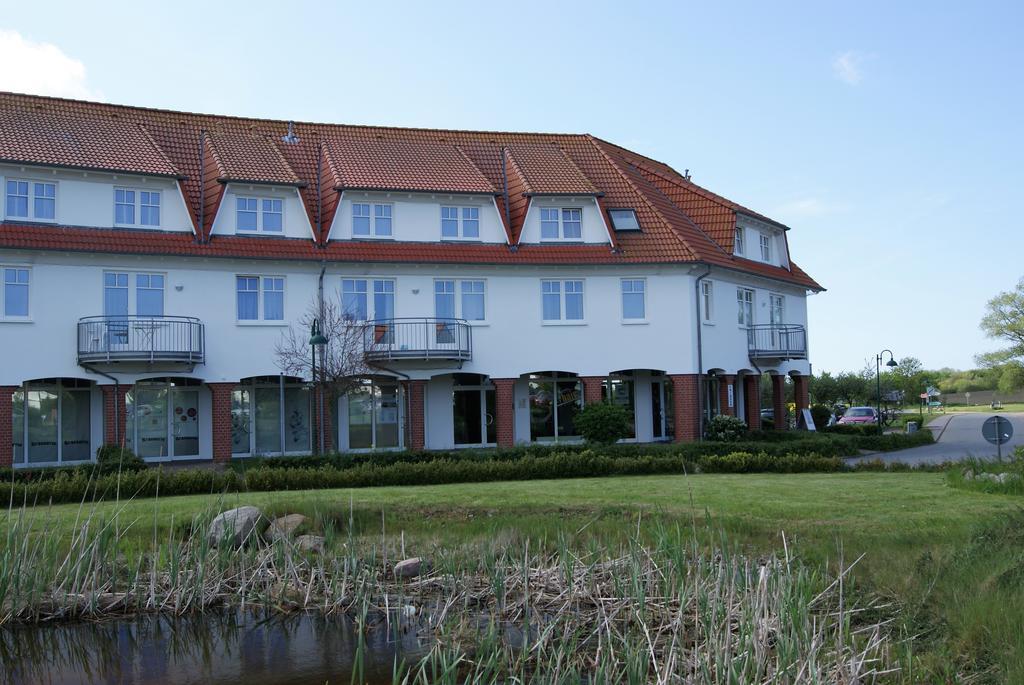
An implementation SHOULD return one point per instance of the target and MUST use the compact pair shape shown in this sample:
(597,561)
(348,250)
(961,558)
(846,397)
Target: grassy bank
(936,559)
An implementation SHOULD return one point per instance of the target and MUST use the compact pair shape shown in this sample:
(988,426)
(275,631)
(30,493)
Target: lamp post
(878,383)
(317,339)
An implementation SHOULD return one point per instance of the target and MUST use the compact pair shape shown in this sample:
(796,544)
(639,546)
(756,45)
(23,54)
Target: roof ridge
(629,181)
(159,150)
(222,170)
(507,153)
(241,118)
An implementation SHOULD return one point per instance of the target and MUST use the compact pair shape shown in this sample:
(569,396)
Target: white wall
(725,341)
(514,340)
(416,217)
(593,228)
(86,198)
(296,220)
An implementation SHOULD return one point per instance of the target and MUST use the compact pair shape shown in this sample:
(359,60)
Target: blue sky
(888,137)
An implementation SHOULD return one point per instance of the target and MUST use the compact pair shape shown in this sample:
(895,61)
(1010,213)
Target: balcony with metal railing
(141,339)
(777,341)
(418,339)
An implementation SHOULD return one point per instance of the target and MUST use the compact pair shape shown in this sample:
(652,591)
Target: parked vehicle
(858,415)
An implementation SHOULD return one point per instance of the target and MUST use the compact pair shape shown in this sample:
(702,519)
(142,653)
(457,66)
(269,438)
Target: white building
(151,262)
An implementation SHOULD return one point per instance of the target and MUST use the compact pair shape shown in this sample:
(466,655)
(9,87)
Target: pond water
(230,647)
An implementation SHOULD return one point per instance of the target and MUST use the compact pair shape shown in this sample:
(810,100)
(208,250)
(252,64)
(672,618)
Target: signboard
(732,395)
(997,430)
(805,421)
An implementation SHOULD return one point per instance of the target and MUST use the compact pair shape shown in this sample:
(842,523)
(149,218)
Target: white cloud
(849,67)
(41,69)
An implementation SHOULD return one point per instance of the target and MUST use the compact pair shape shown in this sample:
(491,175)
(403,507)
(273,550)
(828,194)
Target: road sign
(997,430)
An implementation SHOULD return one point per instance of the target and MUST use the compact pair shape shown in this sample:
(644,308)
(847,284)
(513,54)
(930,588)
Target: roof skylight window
(624,219)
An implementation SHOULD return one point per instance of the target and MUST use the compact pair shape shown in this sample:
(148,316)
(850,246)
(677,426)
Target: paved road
(959,436)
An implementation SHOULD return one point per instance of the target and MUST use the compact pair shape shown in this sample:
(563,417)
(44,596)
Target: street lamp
(878,383)
(317,339)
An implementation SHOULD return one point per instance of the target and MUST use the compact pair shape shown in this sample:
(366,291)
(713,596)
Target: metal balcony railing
(148,339)
(418,338)
(777,341)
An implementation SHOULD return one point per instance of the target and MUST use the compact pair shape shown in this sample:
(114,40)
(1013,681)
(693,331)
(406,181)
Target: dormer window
(561,224)
(460,222)
(371,220)
(738,243)
(133,207)
(624,219)
(766,247)
(259,215)
(31,200)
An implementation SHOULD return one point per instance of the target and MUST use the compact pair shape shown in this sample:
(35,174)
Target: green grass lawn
(922,554)
(984,408)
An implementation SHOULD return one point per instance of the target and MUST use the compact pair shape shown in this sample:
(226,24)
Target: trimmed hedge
(77,487)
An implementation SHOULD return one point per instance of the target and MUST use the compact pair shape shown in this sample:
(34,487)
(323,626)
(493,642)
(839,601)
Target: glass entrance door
(375,416)
(473,416)
(163,420)
(554,402)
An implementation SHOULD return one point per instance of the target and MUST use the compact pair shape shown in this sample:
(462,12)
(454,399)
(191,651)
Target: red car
(856,415)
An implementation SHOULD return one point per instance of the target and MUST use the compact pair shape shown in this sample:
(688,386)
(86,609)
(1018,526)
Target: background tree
(824,389)
(1004,320)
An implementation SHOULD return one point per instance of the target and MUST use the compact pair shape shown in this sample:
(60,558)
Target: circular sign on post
(997,430)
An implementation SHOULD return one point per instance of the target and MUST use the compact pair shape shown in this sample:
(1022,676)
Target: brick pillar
(724,383)
(6,425)
(417,426)
(505,411)
(752,401)
(686,401)
(779,401)
(801,392)
(592,386)
(220,419)
(115,414)
(321,414)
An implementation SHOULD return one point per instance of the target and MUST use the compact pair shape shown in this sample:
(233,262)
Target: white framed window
(259,215)
(460,222)
(460,299)
(766,247)
(135,207)
(259,298)
(561,224)
(15,285)
(707,296)
(562,301)
(372,220)
(32,200)
(738,246)
(634,299)
(367,299)
(745,307)
(128,293)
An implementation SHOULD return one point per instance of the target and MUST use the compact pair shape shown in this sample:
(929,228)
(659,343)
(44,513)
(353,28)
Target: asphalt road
(959,436)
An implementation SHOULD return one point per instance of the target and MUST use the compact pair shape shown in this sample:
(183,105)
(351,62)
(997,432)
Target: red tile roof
(546,170)
(383,164)
(252,158)
(680,221)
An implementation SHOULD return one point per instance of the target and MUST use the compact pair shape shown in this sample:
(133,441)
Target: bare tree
(339,362)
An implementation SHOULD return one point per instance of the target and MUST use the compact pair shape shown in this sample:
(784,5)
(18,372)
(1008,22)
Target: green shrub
(111,459)
(853,429)
(820,414)
(602,423)
(724,428)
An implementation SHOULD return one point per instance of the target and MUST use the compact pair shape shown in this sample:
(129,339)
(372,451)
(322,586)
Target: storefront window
(620,390)
(163,418)
(270,415)
(51,422)
(241,415)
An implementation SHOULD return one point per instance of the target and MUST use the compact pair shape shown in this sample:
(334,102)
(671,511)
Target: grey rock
(310,543)
(968,474)
(410,568)
(235,526)
(284,527)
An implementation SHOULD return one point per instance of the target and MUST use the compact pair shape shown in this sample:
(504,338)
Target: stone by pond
(234,526)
